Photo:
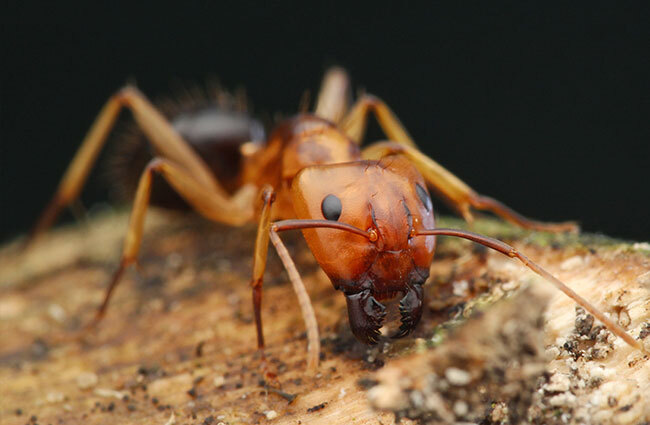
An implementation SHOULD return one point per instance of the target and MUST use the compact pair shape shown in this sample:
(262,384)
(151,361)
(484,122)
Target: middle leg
(355,123)
(235,211)
(457,193)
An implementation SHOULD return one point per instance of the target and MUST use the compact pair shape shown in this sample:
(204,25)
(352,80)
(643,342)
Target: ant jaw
(366,316)
(410,308)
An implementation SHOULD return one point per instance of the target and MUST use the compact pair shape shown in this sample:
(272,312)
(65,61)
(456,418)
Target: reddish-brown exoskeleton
(366,213)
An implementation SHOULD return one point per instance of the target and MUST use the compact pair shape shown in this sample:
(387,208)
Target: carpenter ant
(366,214)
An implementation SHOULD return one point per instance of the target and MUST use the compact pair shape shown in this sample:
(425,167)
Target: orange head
(388,200)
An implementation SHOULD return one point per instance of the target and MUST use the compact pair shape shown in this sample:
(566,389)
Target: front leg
(259,260)
(266,231)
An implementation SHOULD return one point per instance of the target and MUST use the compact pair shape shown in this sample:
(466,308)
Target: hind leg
(167,142)
(334,95)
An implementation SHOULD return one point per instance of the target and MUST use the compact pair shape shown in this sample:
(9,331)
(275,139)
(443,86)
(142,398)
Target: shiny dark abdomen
(214,133)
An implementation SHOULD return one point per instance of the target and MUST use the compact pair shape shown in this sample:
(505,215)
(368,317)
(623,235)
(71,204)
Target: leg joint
(268,195)
(155,164)
(371,101)
(126,94)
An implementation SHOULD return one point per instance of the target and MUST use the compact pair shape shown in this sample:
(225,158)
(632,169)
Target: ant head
(388,199)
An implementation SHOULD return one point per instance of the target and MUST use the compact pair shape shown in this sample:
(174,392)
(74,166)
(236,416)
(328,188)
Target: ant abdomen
(216,126)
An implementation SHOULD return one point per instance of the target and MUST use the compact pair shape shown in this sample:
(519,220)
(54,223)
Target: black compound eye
(424,196)
(331,207)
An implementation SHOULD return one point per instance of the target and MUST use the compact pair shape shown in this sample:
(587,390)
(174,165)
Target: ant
(366,214)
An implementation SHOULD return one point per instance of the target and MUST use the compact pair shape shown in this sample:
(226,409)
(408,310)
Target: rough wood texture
(178,342)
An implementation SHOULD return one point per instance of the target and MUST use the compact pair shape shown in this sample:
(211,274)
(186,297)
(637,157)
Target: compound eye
(424,196)
(331,207)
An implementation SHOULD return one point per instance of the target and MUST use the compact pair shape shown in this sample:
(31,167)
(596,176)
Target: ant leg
(308,315)
(334,95)
(458,194)
(259,261)
(167,142)
(454,190)
(354,124)
(266,231)
(234,211)
(512,252)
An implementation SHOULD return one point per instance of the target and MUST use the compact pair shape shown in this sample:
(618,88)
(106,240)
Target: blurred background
(545,108)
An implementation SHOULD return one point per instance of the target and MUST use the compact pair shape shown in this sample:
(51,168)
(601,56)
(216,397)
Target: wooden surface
(178,342)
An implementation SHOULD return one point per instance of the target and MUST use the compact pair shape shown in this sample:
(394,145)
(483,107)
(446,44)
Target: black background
(544,107)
